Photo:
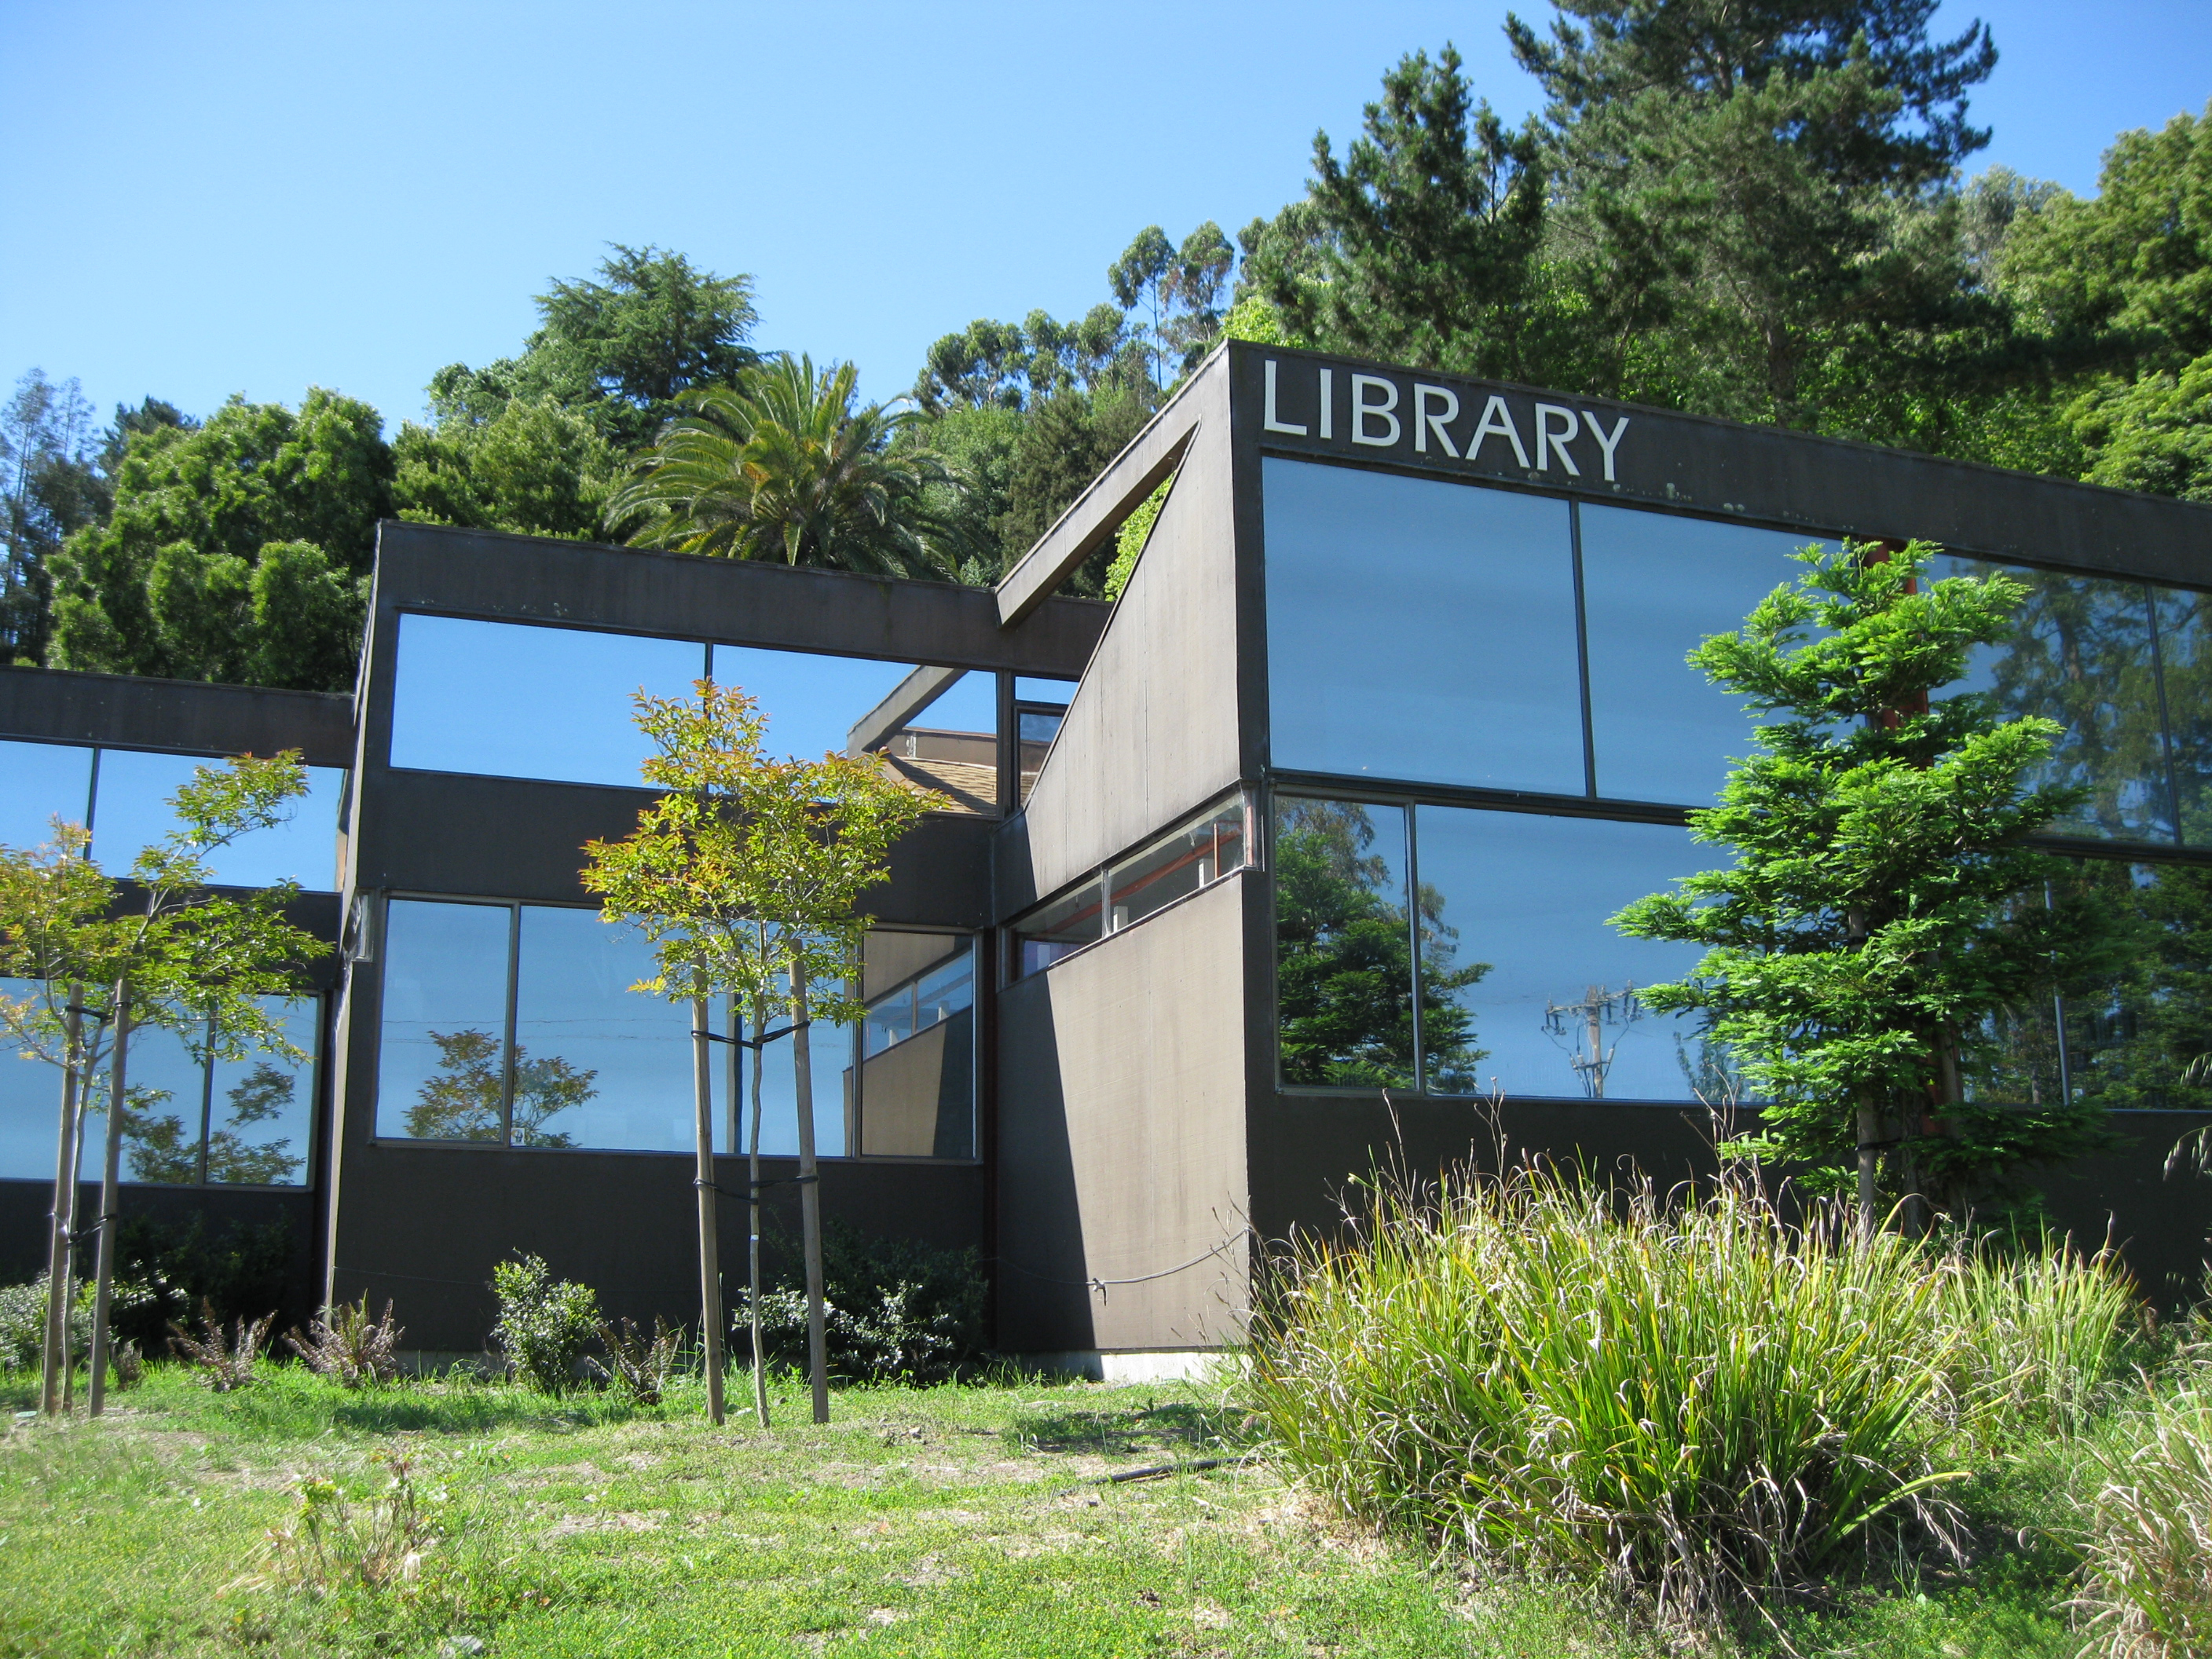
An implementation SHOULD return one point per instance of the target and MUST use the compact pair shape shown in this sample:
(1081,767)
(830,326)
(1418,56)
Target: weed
(2149,1546)
(348,1346)
(544,1324)
(223,1363)
(332,1542)
(639,1365)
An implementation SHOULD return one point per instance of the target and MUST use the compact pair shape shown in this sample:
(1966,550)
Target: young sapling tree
(1884,922)
(746,874)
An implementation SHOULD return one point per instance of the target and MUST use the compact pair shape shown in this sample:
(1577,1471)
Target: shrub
(895,1310)
(241,1270)
(2148,1552)
(1681,1404)
(2044,1337)
(639,1365)
(349,1348)
(223,1363)
(23,1323)
(544,1324)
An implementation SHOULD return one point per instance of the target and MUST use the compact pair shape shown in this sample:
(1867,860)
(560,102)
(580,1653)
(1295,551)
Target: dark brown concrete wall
(125,712)
(1121,1143)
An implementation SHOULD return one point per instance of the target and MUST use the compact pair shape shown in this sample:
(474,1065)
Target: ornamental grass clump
(2044,1339)
(1688,1404)
(2147,1556)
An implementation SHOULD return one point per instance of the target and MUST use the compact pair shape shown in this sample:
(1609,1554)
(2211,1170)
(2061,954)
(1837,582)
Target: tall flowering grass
(1687,1403)
(2148,1547)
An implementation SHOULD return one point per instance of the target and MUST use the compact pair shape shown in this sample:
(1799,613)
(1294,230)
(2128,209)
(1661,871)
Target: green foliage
(51,484)
(531,467)
(1684,1407)
(2149,1526)
(1344,961)
(239,1269)
(1881,934)
(544,1324)
(619,352)
(896,1310)
(335,1543)
(463,1099)
(2045,1338)
(345,1344)
(783,466)
(237,550)
(23,1320)
(1011,366)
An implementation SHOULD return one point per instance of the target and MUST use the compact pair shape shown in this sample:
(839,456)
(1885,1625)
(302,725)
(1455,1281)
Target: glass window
(597,1063)
(441,1066)
(830,1055)
(513,700)
(30,1104)
(132,811)
(1526,986)
(2140,1043)
(2082,656)
(45,782)
(917,1094)
(162,1131)
(1420,630)
(1193,857)
(1052,931)
(1344,955)
(261,1108)
(970,703)
(1654,587)
(812,702)
(2184,649)
(1054,693)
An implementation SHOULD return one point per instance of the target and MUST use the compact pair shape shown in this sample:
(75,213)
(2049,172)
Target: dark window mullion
(1413,926)
(506,1056)
(2164,719)
(1582,650)
(206,1100)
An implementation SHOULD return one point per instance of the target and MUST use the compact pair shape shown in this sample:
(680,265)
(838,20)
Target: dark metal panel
(126,712)
(1107,500)
(737,601)
(1764,474)
(445,832)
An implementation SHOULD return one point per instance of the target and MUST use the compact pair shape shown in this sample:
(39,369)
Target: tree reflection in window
(1344,956)
(2139,1040)
(159,1147)
(463,1100)
(2081,655)
(264,1094)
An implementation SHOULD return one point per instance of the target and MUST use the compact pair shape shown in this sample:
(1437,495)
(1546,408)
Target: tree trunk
(110,1178)
(1870,1129)
(753,1215)
(810,1196)
(54,1359)
(710,1273)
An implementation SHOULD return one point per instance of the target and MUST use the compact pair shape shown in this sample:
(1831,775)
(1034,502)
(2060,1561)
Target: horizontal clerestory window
(528,700)
(122,795)
(1180,863)
(192,1119)
(515,1025)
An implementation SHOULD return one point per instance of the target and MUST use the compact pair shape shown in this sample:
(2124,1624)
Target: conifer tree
(1885,936)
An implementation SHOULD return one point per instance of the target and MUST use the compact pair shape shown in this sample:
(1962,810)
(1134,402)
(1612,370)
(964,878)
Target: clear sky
(228,196)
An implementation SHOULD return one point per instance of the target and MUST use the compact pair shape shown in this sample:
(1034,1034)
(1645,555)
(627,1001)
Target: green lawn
(956,1520)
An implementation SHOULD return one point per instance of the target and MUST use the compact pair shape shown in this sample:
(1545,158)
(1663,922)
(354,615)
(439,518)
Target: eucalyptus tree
(787,465)
(745,876)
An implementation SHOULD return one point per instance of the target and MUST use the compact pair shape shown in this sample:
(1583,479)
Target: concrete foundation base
(1116,1365)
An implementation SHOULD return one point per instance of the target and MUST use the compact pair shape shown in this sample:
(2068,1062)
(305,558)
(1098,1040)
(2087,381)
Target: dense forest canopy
(1753,208)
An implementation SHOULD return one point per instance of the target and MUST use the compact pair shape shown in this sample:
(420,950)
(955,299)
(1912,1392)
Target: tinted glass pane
(441,1066)
(917,1087)
(597,1063)
(38,783)
(2139,1044)
(812,702)
(1420,630)
(1068,924)
(513,701)
(2082,656)
(1030,689)
(1191,858)
(1344,956)
(167,1085)
(1540,991)
(1654,587)
(261,1110)
(831,1058)
(132,811)
(30,1105)
(2185,647)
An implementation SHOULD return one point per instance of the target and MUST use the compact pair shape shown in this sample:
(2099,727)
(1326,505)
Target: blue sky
(256,197)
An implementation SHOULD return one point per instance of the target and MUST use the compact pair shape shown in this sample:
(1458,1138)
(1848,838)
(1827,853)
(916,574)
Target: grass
(951,1521)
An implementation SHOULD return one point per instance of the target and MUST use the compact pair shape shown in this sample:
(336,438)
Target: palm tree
(781,465)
